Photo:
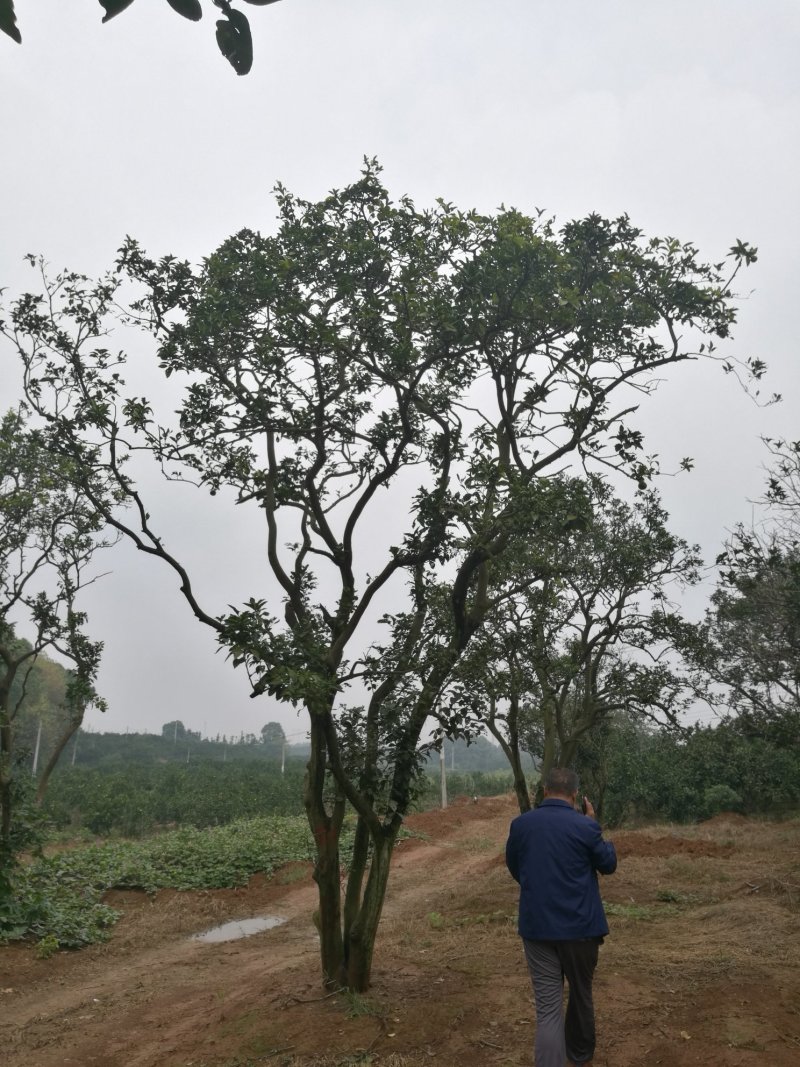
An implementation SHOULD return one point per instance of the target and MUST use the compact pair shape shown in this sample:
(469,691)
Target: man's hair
(561,780)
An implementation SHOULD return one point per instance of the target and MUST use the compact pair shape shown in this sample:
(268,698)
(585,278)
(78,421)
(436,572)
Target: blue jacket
(555,852)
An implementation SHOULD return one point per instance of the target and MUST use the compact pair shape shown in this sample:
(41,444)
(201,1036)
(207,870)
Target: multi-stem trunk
(361,923)
(326,829)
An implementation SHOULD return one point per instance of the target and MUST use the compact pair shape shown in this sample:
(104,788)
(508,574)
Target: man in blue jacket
(555,853)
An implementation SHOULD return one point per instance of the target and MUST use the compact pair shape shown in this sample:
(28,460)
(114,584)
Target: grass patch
(57,899)
(438,921)
(636,912)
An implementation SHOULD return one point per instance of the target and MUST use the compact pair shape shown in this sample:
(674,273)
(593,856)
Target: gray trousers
(559,1038)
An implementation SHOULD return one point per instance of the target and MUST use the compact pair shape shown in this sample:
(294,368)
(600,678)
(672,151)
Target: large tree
(391,391)
(234,38)
(49,534)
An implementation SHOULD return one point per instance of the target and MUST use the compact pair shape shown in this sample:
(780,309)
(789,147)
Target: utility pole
(283,756)
(444,776)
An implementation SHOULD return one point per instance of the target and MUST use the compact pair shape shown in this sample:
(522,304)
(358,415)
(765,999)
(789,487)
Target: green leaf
(235,41)
(8,20)
(190,9)
(113,7)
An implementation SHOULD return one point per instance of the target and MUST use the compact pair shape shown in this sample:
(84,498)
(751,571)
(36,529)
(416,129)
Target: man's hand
(587,808)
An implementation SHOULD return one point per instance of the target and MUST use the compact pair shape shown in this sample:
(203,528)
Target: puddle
(241,928)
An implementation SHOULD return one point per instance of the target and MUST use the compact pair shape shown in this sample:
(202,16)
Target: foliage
(588,641)
(134,800)
(462,784)
(752,632)
(273,738)
(372,359)
(644,774)
(234,38)
(59,897)
(747,649)
(49,535)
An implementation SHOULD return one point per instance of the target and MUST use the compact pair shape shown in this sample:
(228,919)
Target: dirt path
(701,967)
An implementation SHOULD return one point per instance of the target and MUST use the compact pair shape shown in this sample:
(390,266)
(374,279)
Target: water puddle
(240,928)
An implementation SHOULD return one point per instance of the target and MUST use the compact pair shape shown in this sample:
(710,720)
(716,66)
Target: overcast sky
(685,115)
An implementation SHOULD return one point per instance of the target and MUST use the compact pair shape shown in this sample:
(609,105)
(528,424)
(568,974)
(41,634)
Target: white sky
(685,115)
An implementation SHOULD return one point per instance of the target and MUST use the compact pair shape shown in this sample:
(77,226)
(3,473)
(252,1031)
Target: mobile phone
(583,805)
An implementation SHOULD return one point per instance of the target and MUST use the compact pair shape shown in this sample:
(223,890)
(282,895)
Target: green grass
(57,899)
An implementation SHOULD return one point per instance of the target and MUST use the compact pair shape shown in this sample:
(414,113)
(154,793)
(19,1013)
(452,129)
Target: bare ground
(701,966)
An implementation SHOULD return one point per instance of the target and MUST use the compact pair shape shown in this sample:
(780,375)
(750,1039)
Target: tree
(48,537)
(392,391)
(174,730)
(43,714)
(748,647)
(234,38)
(587,641)
(273,737)
(749,643)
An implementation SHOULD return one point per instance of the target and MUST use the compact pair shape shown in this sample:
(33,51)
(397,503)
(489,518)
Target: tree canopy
(394,392)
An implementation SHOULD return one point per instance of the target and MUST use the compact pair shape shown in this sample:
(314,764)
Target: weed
(47,947)
(670,896)
(359,1006)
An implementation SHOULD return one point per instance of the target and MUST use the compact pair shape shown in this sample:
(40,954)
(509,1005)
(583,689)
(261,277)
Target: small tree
(174,731)
(589,639)
(437,367)
(48,537)
(746,653)
(273,737)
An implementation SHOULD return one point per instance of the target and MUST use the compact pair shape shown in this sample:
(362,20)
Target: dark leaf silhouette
(235,41)
(190,9)
(113,7)
(8,20)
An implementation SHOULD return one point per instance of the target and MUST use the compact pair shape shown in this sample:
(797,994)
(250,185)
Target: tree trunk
(326,830)
(62,743)
(355,877)
(360,936)
(512,754)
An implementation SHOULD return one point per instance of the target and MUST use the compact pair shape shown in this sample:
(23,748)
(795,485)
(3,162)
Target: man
(555,852)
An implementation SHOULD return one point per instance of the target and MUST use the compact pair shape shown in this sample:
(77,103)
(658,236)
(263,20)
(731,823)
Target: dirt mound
(725,818)
(636,843)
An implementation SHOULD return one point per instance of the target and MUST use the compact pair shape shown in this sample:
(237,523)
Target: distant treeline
(132,784)
(175,744)
(110,750)
(135,800)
